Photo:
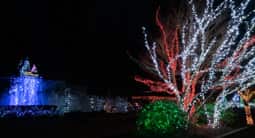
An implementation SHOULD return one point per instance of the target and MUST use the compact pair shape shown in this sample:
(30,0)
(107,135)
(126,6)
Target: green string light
(161,118)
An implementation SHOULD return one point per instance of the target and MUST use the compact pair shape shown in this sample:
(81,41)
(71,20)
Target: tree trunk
(248,114)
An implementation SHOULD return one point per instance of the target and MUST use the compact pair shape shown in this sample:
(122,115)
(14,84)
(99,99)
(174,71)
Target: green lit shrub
(228,117)
(161,118)
(201,114)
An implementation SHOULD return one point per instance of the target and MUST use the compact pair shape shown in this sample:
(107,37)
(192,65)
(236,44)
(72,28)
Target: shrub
(228,117)
(161,118)
(201,114)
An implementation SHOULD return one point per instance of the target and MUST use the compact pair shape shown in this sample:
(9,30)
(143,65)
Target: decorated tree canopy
(205,51)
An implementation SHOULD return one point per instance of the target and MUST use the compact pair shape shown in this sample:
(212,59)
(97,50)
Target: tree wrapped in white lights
(210,53)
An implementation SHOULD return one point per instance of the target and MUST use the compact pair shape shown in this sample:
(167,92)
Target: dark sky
(80,41)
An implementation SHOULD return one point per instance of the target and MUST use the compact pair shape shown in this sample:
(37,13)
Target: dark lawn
(95,125)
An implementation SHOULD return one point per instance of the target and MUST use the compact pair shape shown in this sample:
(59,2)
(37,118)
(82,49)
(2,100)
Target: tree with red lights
(201,53)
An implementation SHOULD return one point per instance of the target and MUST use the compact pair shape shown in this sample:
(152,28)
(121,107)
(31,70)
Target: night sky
(78,41)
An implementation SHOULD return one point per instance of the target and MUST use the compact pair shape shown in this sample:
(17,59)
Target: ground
(85,125)
(90,125)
